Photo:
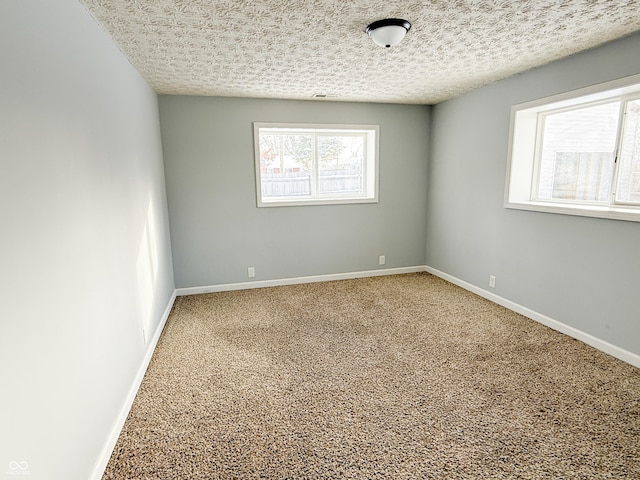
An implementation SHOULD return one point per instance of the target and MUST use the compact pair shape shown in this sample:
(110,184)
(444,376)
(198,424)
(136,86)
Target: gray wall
(216,229)
(581,271)
(85,257)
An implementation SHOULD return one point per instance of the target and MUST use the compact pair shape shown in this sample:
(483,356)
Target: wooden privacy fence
(300,183)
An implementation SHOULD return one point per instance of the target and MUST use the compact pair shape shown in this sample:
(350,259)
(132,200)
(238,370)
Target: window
(578,153)
(315,164)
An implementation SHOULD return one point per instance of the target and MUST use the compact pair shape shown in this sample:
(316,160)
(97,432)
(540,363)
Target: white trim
(606,347)
(335,200)
(613,212)
(297,280)
(112,439)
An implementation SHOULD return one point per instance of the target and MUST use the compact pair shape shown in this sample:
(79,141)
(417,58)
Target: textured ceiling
(295,49)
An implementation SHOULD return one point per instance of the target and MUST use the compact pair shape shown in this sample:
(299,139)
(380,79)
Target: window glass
(577,154)
(341,164)
(628,188)
(300,164)
(285,165)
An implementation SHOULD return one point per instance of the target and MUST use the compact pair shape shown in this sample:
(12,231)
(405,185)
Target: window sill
(630,214)
(315,201)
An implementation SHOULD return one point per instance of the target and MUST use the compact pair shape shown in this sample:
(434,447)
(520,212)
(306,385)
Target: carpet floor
(397,377)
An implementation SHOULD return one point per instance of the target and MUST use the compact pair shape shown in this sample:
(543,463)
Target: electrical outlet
(251,272)
(381,260)
(492,281)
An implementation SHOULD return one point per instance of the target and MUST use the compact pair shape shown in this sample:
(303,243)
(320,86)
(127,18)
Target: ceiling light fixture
(388,32)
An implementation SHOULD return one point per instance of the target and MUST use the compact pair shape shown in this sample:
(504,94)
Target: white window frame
(371,134)
(525,134)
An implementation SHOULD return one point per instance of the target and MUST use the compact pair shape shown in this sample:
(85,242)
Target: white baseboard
(112,439)
(297,280)
(613,350)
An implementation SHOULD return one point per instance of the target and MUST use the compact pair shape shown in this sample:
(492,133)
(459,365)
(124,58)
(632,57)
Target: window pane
(285,165)
(629,159)
(582,176)
(304,164)
(577,154)
(341,164)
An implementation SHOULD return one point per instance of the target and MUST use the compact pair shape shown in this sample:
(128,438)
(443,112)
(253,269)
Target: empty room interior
(326,239)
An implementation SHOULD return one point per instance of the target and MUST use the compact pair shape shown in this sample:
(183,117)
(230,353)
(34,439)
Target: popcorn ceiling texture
(399,377)
(295,49)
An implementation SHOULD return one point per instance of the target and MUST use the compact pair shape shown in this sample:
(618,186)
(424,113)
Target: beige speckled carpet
(394,377)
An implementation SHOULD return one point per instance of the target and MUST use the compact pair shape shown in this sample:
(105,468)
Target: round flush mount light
(388,32)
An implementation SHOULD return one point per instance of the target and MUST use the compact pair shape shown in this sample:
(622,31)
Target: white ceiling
(295,49)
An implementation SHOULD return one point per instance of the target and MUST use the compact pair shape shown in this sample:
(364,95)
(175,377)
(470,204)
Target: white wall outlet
(251,272)
(381,260)
(492,281)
